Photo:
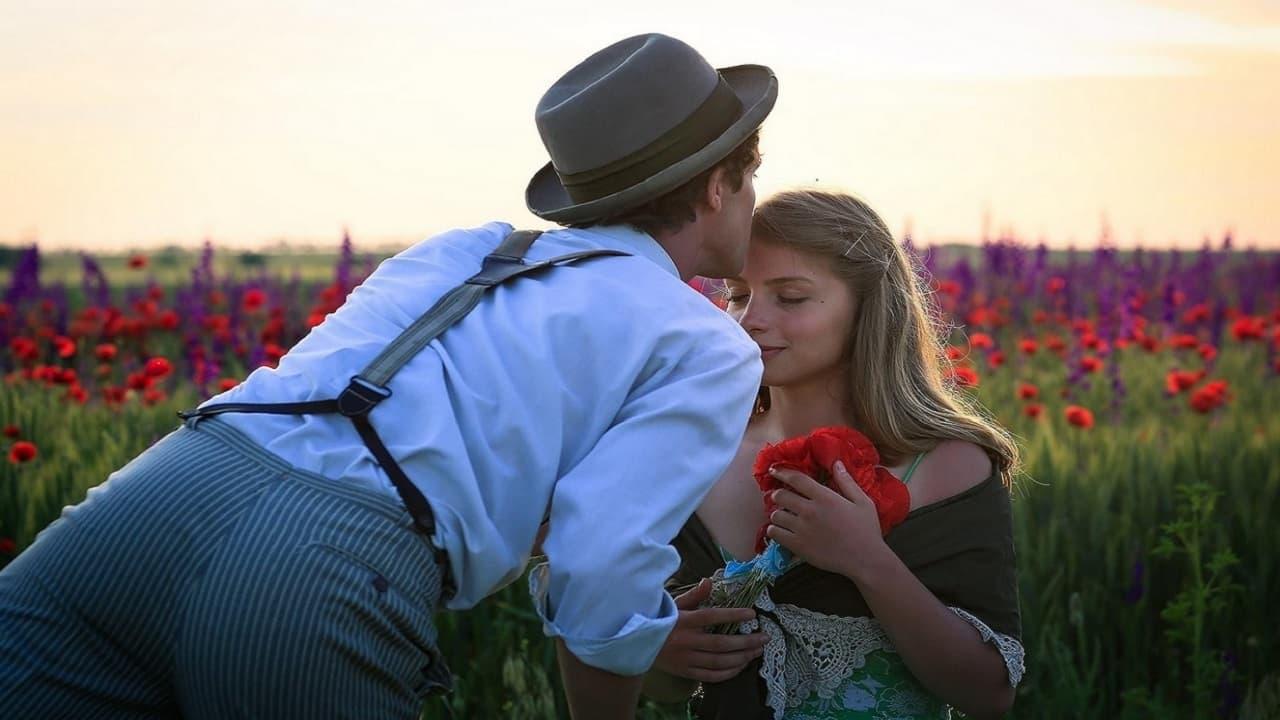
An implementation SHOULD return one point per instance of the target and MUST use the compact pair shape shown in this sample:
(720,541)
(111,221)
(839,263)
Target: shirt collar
(628,239)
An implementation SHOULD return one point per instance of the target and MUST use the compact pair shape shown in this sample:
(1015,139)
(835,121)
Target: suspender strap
(293,408)
(414,501)
(367,389)
(453,306)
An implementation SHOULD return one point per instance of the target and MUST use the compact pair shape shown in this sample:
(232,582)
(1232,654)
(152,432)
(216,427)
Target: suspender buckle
(360,397)
(491,269)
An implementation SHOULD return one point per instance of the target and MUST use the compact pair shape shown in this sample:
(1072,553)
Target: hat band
(708,122)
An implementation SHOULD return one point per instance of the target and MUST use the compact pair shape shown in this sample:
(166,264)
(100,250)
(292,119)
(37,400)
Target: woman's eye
(791,301)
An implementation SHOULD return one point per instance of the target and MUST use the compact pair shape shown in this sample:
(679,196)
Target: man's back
(518,395)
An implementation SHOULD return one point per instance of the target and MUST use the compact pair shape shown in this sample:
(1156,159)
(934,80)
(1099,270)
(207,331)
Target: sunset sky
(128,125)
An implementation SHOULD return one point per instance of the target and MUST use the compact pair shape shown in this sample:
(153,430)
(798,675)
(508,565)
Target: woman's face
(796,310)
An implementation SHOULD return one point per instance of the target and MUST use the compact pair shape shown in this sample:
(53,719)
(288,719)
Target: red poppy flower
(1248,328)
(168,320)
(981,341)
(1184,342)
(21,452)
(1028,346)
(113,395)
(64,346)
(954,353)
(1055,343)
(138,381)
(1196,314)
(158,367)
(226,384)
(982,316)
(152,396)
(106,352)
(1027,391)
(1055,285)
(1149,343)
(1209,397)
(77,393)
(217,323)
(137,262)
(1080,417)
(24,348)
(7,546)
(996,359)
(330,293)
(962,377)
(273,352)
(254,299)
(1208,352)
(1032,410)
(1178,380)
(11,431)
(1090,364)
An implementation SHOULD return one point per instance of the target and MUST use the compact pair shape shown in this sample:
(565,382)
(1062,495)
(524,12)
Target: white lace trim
(809,652)
(1010,649)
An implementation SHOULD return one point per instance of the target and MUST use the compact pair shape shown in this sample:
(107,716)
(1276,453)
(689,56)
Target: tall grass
(1088,516)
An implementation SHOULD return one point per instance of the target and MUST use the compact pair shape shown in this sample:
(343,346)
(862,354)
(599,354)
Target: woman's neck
(798,409)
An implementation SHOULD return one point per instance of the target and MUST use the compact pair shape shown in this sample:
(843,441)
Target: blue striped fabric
(208,578)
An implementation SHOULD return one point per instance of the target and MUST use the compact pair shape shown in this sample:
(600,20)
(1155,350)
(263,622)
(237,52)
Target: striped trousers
(208,578)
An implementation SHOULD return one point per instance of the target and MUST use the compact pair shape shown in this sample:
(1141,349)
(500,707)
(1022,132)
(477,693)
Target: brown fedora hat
(635,121)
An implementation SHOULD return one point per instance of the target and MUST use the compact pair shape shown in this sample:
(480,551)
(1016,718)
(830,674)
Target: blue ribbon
(772,563)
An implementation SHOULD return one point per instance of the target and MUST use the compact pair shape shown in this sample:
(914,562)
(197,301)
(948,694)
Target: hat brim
(757,89)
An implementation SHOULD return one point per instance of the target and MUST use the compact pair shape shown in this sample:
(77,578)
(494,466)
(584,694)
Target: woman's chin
(773,377)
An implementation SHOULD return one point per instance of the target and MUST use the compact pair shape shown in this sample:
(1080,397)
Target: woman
(903,626)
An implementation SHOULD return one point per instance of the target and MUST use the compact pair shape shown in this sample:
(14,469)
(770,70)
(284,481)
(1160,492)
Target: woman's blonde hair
(898,396)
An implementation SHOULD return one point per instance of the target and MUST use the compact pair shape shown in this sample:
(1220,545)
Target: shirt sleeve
(613,515)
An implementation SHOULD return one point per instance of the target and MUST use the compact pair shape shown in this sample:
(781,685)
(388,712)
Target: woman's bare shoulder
(949,469)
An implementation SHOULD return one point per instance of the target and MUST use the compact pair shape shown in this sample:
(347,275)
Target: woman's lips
(767,352)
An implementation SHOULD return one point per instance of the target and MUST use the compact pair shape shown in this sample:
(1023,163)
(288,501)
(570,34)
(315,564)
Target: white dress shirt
(609,390)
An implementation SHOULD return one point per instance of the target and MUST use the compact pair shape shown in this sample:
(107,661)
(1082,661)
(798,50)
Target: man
(268,559)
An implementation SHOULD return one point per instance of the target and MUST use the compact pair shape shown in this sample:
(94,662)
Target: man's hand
(693,652)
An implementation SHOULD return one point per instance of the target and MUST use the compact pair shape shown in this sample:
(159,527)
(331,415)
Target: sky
(132,125)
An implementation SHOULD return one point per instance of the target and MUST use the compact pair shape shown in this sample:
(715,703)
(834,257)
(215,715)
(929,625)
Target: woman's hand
(836,530)
(693,652)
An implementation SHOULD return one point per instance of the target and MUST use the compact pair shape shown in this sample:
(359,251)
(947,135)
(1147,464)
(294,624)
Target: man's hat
(635,121)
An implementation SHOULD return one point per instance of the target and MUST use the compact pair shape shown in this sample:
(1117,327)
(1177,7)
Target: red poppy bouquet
(815,453)
(740,583)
